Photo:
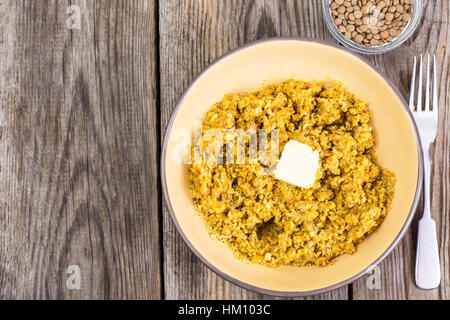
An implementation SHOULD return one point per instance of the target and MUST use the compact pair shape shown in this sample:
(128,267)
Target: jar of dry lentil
(372,26)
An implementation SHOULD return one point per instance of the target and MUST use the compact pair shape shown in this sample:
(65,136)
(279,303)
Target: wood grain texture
(78,148)
(397,271)
(192,35)
(82,113)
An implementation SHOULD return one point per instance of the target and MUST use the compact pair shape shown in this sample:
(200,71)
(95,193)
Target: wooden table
(84,104)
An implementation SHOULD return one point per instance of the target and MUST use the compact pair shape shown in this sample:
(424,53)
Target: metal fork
(428,273)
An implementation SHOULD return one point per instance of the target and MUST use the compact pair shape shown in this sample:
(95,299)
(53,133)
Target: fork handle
(428,271)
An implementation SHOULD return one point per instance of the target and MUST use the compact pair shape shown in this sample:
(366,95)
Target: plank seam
(158,147)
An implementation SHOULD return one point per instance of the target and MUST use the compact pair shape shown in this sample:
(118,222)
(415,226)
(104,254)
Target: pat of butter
(298,164)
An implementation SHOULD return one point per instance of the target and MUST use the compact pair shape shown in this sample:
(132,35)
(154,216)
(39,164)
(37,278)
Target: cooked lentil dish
(267,221)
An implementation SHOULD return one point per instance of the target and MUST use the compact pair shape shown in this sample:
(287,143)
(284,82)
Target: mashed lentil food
(271,222)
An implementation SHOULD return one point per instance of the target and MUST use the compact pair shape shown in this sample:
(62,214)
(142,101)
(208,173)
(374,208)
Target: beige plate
(262,62)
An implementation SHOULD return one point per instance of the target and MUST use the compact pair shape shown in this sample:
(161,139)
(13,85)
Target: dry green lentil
(367,16)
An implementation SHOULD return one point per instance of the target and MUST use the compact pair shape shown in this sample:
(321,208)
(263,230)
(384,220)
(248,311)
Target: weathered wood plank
(78,141)
(397,271)
(78,148)
(192,35)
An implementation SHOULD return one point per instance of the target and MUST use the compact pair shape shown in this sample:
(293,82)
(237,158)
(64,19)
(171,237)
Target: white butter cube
(298,164)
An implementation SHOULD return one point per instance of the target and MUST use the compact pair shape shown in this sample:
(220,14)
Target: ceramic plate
(250,67)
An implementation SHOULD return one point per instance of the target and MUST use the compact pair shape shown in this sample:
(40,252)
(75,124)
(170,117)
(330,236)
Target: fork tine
(419,88)
(427,86)
(434,102)
(413,81)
